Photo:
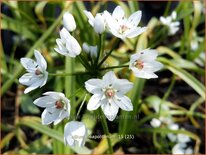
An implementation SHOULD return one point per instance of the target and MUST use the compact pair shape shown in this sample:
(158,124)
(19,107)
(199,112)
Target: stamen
(59,105)
(38,72)
(109,92)
(139,64)
(123,28)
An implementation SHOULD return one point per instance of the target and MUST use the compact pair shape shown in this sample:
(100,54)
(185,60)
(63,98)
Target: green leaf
(34,124)
(19,27)
(39,10)
(187,77)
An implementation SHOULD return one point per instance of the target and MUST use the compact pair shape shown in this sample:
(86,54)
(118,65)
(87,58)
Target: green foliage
(36,26)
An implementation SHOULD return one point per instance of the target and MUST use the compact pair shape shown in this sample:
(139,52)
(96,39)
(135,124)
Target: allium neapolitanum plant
(106,93)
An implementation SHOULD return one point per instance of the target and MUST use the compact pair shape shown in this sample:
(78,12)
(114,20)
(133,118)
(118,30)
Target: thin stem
(109,53)
(167,8)
(99,49)
(80,108)
(67,74)
(112,67)
(167,94)
(106,131)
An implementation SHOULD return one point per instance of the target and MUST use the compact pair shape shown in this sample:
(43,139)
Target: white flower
(143,64)
(182,138)
(75,134)
(171,23)
(155,123)
(91,50)
(97,22)
(69,22)
(109,94)
(37,74)
(67,44)
(181,148)
(173,137)
(122,27)
(57,107)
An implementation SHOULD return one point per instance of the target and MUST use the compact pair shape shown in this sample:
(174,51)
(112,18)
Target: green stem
(112,67)
(67,74)
(70,81)
(167,8)
(99,49)
(30,53)
(106,131)
(109,53)
(80,108)
(167,94)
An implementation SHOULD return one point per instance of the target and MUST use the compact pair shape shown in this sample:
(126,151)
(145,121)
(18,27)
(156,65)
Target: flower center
(109,92)
(139,64)
(123,28)
(38,72)
(59,104)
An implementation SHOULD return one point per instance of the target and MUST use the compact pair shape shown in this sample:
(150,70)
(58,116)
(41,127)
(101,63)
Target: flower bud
(99,23)
(69,22)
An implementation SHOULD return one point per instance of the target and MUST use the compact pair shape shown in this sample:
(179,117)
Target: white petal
(94,86)
(73,46)
(122,86)
(94,102)
(48,118)
(110,110)
(90,17)
(124,103)
(109,78)
(63,114)
(189,151)
(174,15)
(46,101)
(40,60)
(178,149)
(112,24)
(172,137)
(55,95)
(33,86)
(61,49)
(29,64)
(86,47)
(27,79)
(44,78)
(99,25)
(64,34)
(143,74)
(134,19)
(135,32)
(183,138)
(69,22)
(118,13)
(155,123)
(75,133)
(148,54)
(93,51)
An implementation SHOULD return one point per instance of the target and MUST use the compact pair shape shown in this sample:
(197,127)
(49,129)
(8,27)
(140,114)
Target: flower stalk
(106,131)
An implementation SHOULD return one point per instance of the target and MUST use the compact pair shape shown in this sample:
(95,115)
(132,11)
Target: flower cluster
(181,140)
(109,93)
(170,22)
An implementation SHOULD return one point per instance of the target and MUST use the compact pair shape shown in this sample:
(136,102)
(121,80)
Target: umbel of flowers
(108,91)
